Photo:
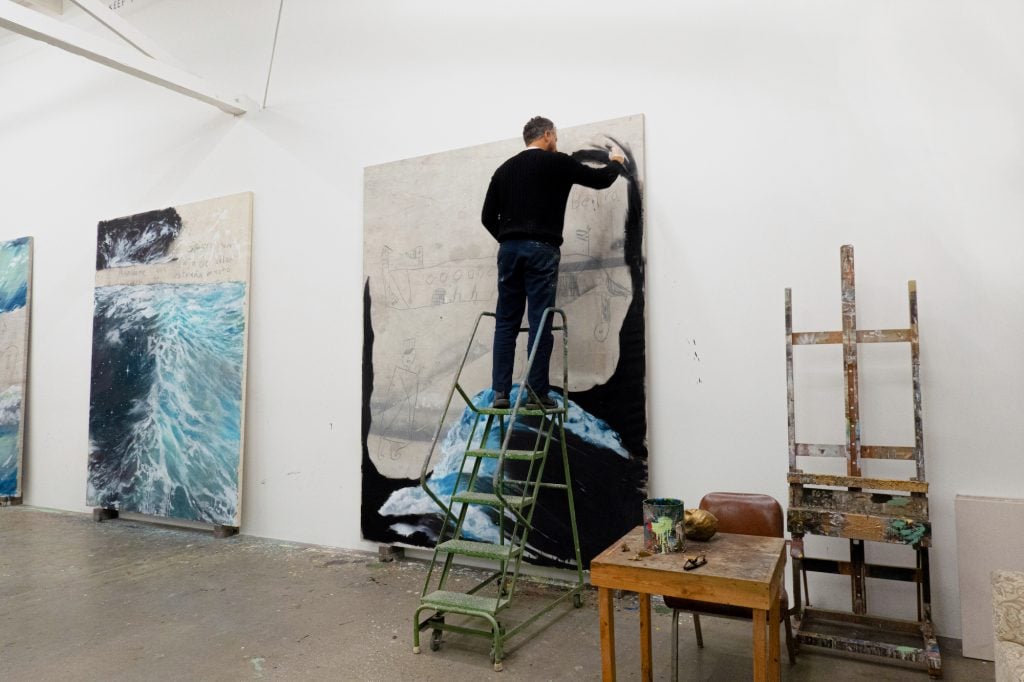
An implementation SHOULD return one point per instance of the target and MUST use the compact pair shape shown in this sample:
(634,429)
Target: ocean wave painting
(15,281)
(14,274)
(140,239)
(166,404)
(167,399)
(10,449)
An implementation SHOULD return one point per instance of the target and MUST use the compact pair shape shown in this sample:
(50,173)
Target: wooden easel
(858,508)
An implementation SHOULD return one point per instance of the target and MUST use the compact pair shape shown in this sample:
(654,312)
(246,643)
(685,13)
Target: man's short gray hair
(535,128)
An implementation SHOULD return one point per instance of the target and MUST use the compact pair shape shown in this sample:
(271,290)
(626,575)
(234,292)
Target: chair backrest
(745,513)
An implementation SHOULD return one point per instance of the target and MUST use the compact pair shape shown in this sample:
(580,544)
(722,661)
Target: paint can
(661,516)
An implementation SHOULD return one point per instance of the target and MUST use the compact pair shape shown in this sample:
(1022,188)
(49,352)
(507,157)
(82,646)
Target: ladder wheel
(577,600)
(435,640)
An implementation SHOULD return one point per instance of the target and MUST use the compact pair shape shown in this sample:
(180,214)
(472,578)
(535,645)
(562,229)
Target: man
(525,211)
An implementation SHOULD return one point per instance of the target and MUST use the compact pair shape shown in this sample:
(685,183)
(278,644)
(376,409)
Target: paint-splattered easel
(858,508)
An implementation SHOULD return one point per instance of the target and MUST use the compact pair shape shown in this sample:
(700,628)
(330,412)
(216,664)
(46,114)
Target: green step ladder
(514,502)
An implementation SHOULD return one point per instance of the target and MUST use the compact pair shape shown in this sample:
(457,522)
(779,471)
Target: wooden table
(742,570)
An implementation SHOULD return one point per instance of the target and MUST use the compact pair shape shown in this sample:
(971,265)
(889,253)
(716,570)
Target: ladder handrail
(444,413)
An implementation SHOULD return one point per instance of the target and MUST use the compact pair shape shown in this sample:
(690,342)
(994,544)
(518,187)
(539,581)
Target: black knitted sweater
(527,195)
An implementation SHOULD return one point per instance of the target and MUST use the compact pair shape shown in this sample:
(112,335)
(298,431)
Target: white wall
(776,131)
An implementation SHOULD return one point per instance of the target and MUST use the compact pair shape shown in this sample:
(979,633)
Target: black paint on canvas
(140,239)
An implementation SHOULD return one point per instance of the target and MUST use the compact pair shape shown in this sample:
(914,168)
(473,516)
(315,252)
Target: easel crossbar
(878,571)
(863,336)
(858,482)
(895,530)
(866,451)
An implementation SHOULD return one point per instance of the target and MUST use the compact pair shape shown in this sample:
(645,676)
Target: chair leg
(790,644)
(675,645)
(696,629)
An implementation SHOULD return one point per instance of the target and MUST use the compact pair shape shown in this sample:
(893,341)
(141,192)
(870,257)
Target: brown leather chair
(745,514)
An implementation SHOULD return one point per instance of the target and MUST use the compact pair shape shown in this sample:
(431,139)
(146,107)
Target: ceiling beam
(76,41)
(54,7)
(131,35)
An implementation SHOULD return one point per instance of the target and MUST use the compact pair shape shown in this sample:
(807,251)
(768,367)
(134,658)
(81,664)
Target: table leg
(760,646)
(606,610)
(774,671)
(646,669)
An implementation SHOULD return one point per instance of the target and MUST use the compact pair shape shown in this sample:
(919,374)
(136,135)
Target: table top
(743,570)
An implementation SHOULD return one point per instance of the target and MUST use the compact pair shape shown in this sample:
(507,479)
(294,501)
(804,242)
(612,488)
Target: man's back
(527,195)
(525,210)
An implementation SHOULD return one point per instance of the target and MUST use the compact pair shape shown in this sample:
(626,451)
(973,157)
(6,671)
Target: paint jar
(661,516)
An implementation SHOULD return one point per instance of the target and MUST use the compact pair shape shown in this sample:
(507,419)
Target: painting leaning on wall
(15,317)
(166,410)
(429,270)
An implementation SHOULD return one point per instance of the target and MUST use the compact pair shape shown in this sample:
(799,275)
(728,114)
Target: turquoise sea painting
(15,303)
(167,399)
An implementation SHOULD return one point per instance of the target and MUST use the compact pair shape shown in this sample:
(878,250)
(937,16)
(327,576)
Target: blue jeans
(527,273)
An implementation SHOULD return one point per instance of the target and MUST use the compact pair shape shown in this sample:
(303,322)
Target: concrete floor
(126,600)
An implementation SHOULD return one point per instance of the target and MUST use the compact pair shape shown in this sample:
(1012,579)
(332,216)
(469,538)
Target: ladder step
(470,497)
(521,412)
(484,550)
(526,455)
(442,600)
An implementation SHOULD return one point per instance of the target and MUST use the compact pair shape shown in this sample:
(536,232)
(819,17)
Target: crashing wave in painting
(165,418)
(141,239)
(15,258)
(10,421)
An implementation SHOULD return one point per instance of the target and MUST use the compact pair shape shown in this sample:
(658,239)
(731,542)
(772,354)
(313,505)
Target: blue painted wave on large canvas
(166,402)
(481,524)
(13,274)
(10,419)
(14,271)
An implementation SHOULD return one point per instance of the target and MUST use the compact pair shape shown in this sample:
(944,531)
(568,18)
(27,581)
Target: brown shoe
(545,403)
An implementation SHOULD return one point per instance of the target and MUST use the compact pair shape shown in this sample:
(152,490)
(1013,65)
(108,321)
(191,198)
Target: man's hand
(615,152)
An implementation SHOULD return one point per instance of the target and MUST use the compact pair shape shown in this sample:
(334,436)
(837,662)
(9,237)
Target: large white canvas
(988,538)
(429,269)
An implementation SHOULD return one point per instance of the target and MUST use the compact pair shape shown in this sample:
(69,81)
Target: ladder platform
(483,550)
(521,455)
(460,602)
(491,500)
